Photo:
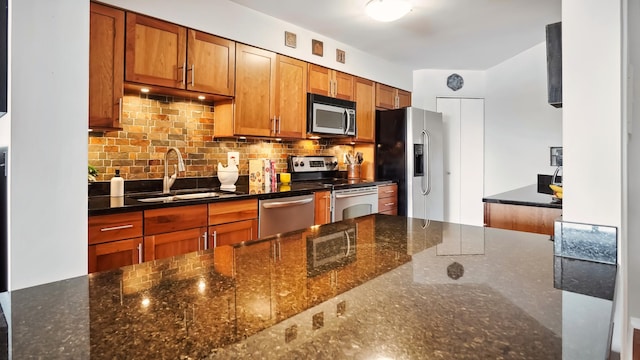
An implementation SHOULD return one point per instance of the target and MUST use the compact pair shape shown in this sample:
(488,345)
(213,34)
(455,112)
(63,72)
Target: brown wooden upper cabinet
(106,66)
(388,97)
(330,82)
(270,94)
(161,53)
(365,97)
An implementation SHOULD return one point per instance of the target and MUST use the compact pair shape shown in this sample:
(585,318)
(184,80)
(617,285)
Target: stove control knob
(295,164)
(301,163)
(335,163)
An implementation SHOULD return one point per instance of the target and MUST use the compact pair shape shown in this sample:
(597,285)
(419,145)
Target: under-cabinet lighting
(144,90)
(278,139)
(201,97)
(314,137)
(242,138)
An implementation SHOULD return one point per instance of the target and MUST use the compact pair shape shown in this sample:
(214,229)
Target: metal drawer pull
(340,196)
(389,191)
(280,204)
(117,227)
(388,204)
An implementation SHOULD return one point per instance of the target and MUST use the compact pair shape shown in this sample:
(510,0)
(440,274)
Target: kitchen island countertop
(377,286)
(526,196)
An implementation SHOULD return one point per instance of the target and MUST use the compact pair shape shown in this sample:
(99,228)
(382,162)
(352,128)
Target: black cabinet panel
(554,64)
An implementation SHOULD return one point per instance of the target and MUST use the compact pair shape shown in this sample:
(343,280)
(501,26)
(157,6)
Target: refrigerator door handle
(427,163)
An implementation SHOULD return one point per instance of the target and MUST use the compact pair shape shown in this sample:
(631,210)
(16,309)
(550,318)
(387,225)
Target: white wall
(48,205)
(230,20)
(593,125)
(633,152)
(520,125)
(429,84)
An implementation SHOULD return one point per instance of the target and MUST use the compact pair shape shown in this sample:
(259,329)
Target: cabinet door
(106,66)
(115,254)
(365,97)
(320,81)
(290,276)
(255,90)
(211,64)
(233,233)
(385,96)
(174,243)
(343,86)
(291,97)
(404,99)
(323,207)
(156,52)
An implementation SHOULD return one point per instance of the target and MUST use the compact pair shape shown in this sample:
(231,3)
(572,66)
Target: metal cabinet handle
(120,109)
(193,75)
(389,191)
(205,236)
(388,204)
(279,123)
(140,253)
(215,238)
(128,226)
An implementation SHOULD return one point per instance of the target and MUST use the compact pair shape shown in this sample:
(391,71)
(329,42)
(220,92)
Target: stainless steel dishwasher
(285,214)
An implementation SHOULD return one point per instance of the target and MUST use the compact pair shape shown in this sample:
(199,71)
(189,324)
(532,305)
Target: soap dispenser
(117,185)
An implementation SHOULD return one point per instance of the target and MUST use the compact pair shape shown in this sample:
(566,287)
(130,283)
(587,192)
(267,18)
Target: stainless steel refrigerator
(409,150)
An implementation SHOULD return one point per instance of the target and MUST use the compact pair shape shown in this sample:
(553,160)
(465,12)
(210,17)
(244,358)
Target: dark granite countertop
(527,196)
(406,289)
(101,204)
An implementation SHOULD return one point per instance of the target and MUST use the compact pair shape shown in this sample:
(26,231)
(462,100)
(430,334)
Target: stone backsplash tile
(151,124)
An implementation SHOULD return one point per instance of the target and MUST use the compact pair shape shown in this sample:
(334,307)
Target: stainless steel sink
(178,197)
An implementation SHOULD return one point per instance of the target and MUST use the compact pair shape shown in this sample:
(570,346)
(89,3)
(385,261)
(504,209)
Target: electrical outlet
(233,157)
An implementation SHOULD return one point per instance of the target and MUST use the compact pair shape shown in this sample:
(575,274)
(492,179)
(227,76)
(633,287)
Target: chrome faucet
(168,181)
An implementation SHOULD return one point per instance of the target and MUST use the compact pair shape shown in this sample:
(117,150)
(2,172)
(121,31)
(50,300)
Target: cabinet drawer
(105,228)
(387,204)
(159,221)
(387,191)
(229,211)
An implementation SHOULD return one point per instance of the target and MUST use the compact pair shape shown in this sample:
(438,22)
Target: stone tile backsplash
(151,124)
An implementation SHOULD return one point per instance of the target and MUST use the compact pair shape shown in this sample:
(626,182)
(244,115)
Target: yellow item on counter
(557,190)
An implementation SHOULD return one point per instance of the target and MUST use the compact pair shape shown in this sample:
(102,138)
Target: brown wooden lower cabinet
(174,243)
(323,207)
(521,218)
(388,199)
(233,233)
(115,254)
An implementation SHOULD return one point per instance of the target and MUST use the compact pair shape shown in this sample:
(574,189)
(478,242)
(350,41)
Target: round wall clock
(455,82)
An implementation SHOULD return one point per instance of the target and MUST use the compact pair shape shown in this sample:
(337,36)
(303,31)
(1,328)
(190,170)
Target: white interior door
(472,161)
(463,159)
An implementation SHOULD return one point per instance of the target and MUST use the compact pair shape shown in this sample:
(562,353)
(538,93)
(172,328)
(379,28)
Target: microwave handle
(347,117)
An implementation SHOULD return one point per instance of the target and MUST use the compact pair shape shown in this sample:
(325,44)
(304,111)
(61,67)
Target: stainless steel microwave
(330,116)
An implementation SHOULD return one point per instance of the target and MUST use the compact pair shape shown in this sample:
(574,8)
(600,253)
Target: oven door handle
(281,204)
(342,196)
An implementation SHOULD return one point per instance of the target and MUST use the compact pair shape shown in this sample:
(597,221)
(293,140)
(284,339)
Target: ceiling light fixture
(387,10)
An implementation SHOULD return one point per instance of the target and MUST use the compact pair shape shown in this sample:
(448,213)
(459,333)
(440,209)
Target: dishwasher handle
(281,204)
(341,196)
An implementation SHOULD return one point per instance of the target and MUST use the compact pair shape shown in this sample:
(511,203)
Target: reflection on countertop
(410,288)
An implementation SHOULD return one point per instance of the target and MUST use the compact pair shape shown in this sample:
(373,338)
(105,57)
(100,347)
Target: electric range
(349,197)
